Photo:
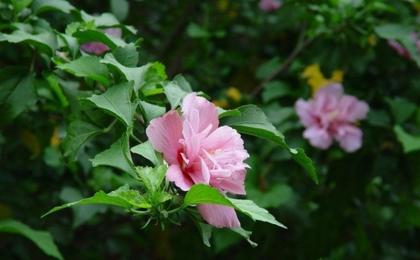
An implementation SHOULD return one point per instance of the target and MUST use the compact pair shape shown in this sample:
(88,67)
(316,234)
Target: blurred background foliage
(367,203)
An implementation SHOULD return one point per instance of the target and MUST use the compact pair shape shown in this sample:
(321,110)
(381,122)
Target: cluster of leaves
(85,116)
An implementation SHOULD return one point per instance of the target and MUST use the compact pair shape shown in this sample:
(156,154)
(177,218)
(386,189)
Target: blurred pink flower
(199,151)
(403,51)
(98,48)
(269,5)
(332,115)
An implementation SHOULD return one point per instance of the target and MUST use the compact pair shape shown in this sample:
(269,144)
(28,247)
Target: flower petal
(318,137)
(349,137)
(175,174)
(200,113)
(219,216)
(164,134)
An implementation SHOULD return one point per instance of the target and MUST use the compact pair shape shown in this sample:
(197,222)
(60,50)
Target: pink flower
(269,5)
(332,115)
(98,48)
(403,52)
(199,151)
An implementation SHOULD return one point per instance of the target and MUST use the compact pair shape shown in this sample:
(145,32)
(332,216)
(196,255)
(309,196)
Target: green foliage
(42,239)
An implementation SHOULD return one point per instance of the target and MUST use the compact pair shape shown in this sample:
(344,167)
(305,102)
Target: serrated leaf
(45,42)
(138,74)
(42,239)
(251,209)
(152,177)
(102,20)
(78,132)
(118,156)
(41,6)
(146,150)
(19,5)
(123,197)
(87,67)
(151,111)
(117,101)
(127,55)
(174,94)
(253,121)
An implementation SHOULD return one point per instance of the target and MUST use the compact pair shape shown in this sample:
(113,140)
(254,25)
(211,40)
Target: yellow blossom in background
(316,80)
(234,94)
(30,141)
(221,103)
(55,138)
(222,5)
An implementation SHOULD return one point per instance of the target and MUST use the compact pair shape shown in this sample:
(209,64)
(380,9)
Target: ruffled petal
(200,113)
(175,174)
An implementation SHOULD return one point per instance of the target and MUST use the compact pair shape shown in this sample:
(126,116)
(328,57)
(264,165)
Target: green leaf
(42,239)
(99,36)
(253,121)
(138,74)
(102,20)
(196,31)
(146,150)
(80,214)
(268,68)
(87,67)
(402,34)
(45,42)
(225,113)
(182,83)
(118,156)
(409,142)
(117,101)
(152,177)
(133,197)
(151,111)
(174,94)
(78,132)
(19,5)
(245,234)
(401,109)
(251,209)
(17,93)
(41,6)
(205,231)
(275,196)
(274,90)
(123,197)
(127,55)
(120,8)
(201,193)
(204,194)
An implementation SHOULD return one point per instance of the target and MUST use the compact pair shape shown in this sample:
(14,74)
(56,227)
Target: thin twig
(301,45)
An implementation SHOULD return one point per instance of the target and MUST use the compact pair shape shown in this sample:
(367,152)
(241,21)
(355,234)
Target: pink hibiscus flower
(98,48)
(269,5)
(332,115)
(199,151)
